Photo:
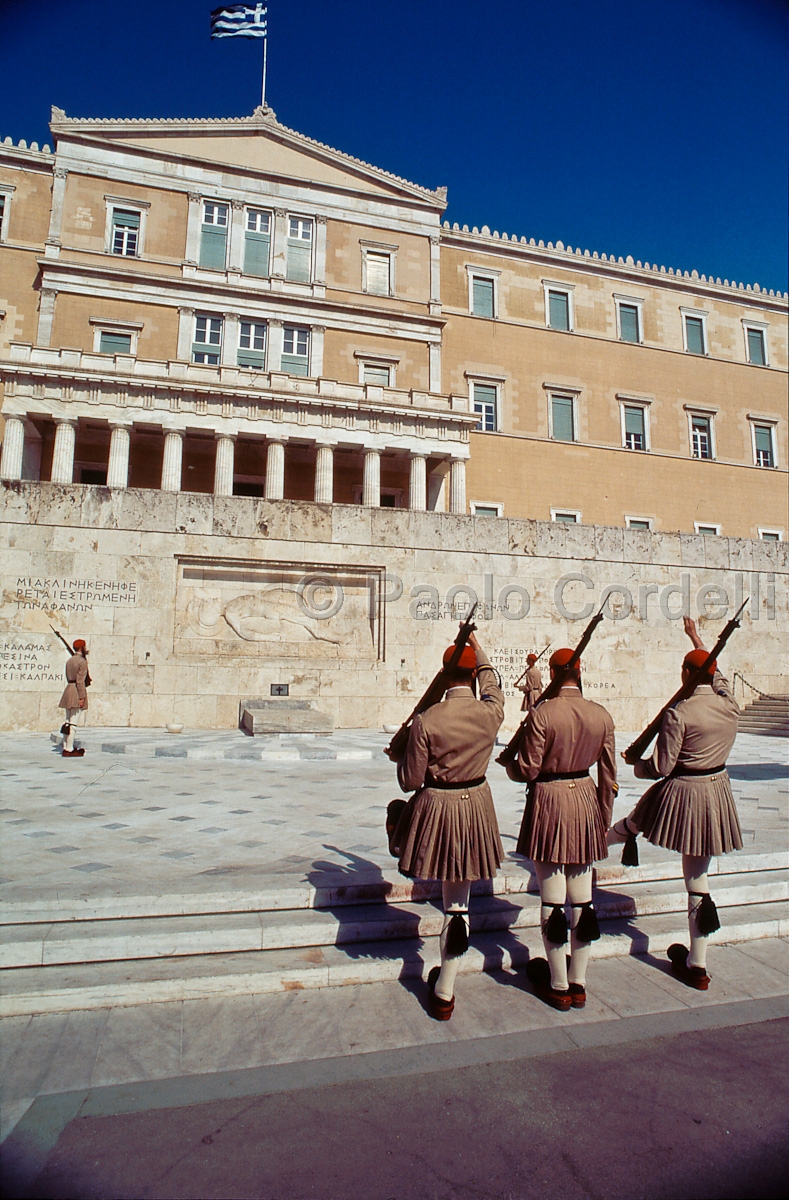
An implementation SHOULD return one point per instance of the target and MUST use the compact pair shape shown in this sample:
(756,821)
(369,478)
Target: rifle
(534,664)
(435,690)
(510,751)
(636,749)
(88,680)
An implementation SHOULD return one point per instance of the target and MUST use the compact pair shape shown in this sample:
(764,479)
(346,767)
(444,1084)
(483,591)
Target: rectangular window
(208,340)
(378,273)
(563,418)
(628,323)
(252,345)
(482,296)
(643,523)
(115,343)
(213,238)
(769,535)
(635,428)
(763,445)
(296,350)
(376,373)
(559,310)
(486,510)
(565,518)
(125,232)
(694,335)
(701,436)
(299,266)
(708,530)
(756,347)
(485,407)
(2,211)
(257,242)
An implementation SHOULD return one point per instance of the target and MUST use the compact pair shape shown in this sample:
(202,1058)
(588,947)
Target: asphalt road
(694,1116)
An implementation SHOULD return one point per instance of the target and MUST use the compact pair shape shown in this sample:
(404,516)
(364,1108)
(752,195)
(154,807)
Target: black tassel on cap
(630,851)
(587,929)
(707,919)
(555,928)
(457,935)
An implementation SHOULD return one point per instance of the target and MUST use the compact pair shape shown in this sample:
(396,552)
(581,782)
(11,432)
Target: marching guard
(691,808)
(531,683)
(75,696)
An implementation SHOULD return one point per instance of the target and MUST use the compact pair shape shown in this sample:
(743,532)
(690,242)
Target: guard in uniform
(449,830)
(691,809)
(564,828)
(531,686)
(75,697)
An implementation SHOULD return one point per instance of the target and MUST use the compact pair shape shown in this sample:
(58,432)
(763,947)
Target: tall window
(629,330)
(378,273)
(635,427)
(763,449)
(563,418)
(208,340)
(213,238)
(252,345)
(114,343)
(296,350)
(701,436)
(757,348)
(483,300)
(2,212)
(485,406)
(695,342)
(125,232)
(299,266)
(257,242)
(558,309)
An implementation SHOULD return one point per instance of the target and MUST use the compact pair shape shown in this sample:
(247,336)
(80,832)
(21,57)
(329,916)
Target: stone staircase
(769,715)
(134,950)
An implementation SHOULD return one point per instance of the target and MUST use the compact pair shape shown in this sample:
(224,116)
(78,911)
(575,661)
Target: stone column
(434,354)
(457,486)
(371,485)
(186,321)
(435,274)
(231,339)
(223,464)
(235,256)
(417,488)
(63,453)
(118,466)
(320,251)
(193,224)
(324,475)
(275,336)
(13,448)
(279,244)
(46,315)
(172,461)
(52,244)
(275,470)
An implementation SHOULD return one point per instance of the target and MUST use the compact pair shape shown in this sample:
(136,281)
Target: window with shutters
(296,350)
(378,373)
(4,207)
(111,342)
(485,405)
(125,232)
(486,510)
(771,535)
(115,337)
(629,324)
(483,296)
(559,310)
(257,242)
(207,345)
(700,435)
(378,273)
(213,236)
(299,254)
(706,530)
(635,426)
(763,445)
(694,329)
(642,523)
(252,345)
(563,424)
(756,344)
(566,516)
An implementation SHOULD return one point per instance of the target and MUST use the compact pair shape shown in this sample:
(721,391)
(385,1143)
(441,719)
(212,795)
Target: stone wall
(191,602)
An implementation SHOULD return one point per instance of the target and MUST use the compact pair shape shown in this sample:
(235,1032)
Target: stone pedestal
(284,716)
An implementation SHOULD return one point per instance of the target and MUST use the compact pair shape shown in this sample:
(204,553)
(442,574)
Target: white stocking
(456,898)
(579,892)
(553,893)
(694,868)
(71,718)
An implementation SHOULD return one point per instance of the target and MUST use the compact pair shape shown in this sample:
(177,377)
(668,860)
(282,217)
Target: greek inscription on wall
(24,662)
(72,595)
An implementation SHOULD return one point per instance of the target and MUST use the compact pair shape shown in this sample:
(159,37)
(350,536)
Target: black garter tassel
(555,928)
(630,851)
(457,936)
(706,914)
(587,929)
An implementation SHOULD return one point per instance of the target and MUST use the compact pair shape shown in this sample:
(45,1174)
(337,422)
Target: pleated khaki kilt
(690,814)
(563,824)
(70,697)
(450,835)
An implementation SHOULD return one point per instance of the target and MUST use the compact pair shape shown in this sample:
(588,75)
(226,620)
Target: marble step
(179,936)
(366,888)
(34,990)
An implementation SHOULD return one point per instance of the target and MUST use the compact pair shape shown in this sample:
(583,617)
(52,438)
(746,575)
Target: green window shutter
(634,420)
(115,343)
(756,347)
(695,334)
(628,322)
(252,358)
(563,427)
(130,220)
(377,375)
(256,253)
(294,364)
(764,439)
(213,246)
(559,310)
(482,297)
(299,261)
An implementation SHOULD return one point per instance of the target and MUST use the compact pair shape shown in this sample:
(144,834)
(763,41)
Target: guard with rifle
(565,820)
(691,809)
(448,829)
(530,682)
(75,696)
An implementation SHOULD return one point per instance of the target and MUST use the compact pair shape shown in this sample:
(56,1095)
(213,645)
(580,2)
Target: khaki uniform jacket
(531,688)
(453,740)
(698,733)
(567,734)
(76,673)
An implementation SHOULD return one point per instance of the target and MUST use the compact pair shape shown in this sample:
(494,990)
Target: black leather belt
(430,782)
(550,777)
(689,771)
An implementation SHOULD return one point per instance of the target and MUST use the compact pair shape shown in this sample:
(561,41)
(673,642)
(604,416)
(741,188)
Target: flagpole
(263,81)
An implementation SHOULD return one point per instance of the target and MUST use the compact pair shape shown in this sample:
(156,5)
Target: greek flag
(239,20)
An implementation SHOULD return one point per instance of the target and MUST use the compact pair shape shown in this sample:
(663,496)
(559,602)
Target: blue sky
(657,130)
